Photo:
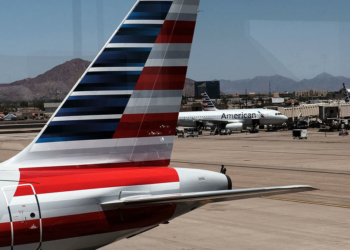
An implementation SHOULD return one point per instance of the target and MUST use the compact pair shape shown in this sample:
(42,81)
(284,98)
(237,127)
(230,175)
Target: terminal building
(211,87)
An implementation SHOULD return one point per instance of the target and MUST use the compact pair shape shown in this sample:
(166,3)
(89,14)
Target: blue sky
(234,39)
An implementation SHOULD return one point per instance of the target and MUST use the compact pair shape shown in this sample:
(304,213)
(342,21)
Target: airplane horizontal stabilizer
(204,197)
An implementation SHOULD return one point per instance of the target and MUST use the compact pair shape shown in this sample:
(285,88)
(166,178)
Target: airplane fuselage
(247,117)
(59,209)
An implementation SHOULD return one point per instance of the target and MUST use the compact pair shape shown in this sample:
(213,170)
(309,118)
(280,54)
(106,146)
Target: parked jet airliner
(229,119)
(99,170)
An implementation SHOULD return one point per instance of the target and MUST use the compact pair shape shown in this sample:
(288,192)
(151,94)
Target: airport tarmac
(312,220)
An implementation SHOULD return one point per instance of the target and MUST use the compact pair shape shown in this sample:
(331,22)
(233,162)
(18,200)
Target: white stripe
(167,62)
(130,45)
(86,117)
(106,143)
(104,69)
(144,22)
(107,92)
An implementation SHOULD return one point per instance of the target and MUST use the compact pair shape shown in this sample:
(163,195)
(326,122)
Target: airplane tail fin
(124,108)
(207,103)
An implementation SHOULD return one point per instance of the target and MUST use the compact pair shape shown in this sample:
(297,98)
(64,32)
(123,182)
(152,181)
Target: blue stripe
(106,86)
(83,122)
(94,105)
(125,80)
(153,6)
(90,111)
(137,33)
(111,77)
(54,131)
(152,10)
(79,130)
(134,39)
(119,57)
(148,16)
(90,136)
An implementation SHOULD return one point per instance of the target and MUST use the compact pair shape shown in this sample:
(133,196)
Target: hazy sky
(234,39)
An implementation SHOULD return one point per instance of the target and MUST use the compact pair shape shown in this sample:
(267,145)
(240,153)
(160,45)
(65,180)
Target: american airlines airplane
(99,170)
(229,119)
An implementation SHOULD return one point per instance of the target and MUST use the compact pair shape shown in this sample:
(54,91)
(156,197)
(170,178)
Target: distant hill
(55,83)
(279,83)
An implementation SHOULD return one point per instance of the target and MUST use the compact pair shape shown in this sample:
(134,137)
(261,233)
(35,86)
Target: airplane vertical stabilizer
(207,103)
(124,108)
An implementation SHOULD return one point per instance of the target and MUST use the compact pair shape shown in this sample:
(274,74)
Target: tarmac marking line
(261,167)
(308,202)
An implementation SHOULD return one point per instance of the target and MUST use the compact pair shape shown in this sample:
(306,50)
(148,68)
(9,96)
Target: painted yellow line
(308,202)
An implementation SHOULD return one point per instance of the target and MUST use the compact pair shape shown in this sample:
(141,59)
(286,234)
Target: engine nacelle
(234,126)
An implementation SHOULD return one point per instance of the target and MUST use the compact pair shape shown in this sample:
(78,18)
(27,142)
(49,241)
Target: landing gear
(255,126)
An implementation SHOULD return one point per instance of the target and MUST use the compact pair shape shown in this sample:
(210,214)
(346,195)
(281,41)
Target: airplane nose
(284,118)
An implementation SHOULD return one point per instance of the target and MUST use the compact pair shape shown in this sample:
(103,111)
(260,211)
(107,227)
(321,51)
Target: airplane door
(25,217)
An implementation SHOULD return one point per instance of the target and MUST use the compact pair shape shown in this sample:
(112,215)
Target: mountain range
(260,84)
(57,82)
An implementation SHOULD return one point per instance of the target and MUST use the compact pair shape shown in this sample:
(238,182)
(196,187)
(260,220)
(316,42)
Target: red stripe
(105,222)
(146,125)
(5,234)
(24,233)
(162,78)
(54,180)
(176,32)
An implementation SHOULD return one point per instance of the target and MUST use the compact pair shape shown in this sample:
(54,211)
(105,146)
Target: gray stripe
(191,2)
(172,47)
(152,102)
(181,17)
(170,51)
(169,54)
(152,109)
(156,93)
(186,2)
(113,152)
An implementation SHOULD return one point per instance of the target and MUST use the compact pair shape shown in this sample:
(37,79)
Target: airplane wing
(204,197)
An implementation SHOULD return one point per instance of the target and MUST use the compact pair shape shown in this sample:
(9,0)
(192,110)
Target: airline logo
(261,114)
(207,103)
(239,116)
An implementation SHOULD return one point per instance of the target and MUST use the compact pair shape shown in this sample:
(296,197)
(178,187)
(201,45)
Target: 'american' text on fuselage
(239,116)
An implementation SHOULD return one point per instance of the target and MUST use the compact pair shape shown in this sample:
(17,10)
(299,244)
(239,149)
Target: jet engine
(234,126)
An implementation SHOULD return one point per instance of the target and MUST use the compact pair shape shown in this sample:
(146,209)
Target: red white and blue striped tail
(124,109)
(207,103)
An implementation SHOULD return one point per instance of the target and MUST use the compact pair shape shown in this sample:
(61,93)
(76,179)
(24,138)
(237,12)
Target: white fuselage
(247,117)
